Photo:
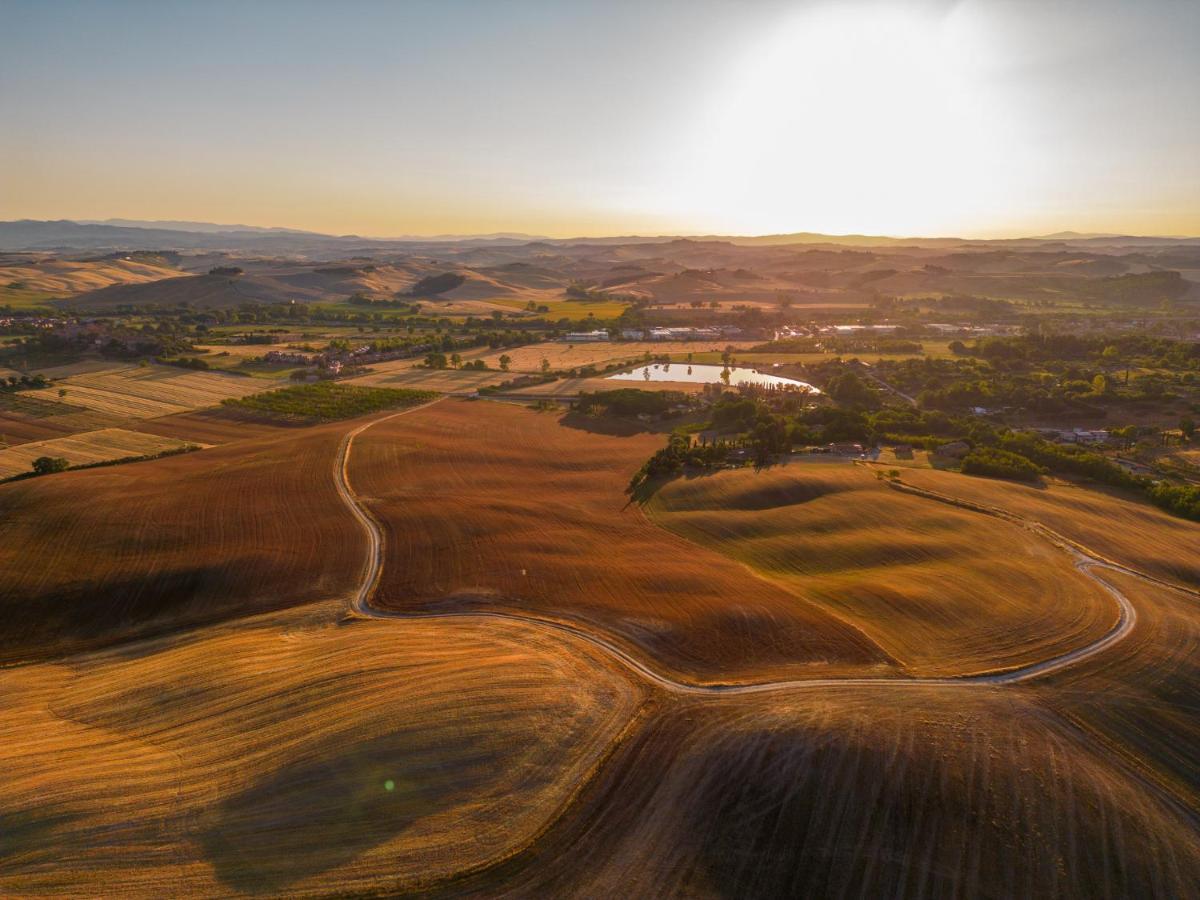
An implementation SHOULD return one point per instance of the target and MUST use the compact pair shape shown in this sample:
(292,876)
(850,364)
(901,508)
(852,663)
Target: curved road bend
(373,569)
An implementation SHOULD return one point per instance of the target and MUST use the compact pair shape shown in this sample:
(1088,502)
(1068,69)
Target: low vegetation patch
(1000,464)
(629,401)
(326,401)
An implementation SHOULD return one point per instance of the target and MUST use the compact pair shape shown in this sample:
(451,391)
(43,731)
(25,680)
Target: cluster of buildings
(29,321)
(333,362)
(1076,435)
(685,333)
(653,334)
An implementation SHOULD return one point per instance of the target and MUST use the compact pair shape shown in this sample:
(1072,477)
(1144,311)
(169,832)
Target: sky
(979,118)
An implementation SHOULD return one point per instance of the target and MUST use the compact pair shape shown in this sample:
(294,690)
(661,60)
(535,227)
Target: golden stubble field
(143,392)
(944,591)
(495,506)
(290,755)
(86,449)
(306,751)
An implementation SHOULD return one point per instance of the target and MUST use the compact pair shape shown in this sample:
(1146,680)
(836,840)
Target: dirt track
(1085,561)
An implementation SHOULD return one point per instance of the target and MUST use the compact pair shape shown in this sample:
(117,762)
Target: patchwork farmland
(583,679)
(87,449)
(146,392)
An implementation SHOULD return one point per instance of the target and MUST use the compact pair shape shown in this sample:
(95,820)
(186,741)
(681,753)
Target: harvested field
(1139,699)
(291,756)
(489,505)
(16,428)
(918,577)
(86,449)
(404,373)
(205,426)
(37,418)
(564,356)
(1124,529)
(101,555)
(147,392)
(858,792)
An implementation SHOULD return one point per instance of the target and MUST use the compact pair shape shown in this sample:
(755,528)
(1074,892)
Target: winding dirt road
(1085,561)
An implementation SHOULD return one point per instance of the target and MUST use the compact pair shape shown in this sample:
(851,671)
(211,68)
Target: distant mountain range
(66,235)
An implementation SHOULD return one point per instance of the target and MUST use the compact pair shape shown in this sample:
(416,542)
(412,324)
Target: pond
(696,373)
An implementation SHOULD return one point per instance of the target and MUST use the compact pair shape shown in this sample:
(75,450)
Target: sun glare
(855,119)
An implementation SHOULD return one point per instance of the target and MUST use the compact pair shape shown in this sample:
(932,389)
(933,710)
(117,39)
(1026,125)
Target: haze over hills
(131,234)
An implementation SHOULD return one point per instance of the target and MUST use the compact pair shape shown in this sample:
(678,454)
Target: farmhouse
(584,337)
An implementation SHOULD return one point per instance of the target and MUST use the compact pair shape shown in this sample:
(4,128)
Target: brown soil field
(16,428)
(1121,528)
(104,554)
(493,506)
(86,448)
(404,373)
(858,792)
(943,590)
(207,427)
(288,755)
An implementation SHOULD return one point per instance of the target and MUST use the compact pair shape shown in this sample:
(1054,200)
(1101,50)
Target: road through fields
(1085,561)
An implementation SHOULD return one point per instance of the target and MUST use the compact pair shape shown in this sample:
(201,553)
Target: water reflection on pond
(705,374)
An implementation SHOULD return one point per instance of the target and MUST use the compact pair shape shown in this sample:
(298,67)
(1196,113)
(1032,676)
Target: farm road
(1086,561)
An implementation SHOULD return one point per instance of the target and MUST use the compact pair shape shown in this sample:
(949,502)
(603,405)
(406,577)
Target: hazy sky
(974,118)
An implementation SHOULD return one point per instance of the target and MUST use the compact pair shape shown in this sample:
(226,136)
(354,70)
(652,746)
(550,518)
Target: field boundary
(373,564)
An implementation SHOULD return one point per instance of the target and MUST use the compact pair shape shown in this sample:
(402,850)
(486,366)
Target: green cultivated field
(326,401)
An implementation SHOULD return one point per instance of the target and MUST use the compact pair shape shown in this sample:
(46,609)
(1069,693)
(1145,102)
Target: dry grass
(63,277)
(490,505)
(86,449)
(140,392)
(257,758)
(1123,529)
(942,590)
(105,554)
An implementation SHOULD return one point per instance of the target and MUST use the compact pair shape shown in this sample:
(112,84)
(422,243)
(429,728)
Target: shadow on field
(320,813)
(98,612)
(606,425)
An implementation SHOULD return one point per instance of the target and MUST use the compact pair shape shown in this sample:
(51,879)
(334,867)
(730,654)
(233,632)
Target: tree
(505,362)
(1187,426)
(456,360)
(45,465)
(1099,385)
(545,365)
(436,361)
(62,392)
